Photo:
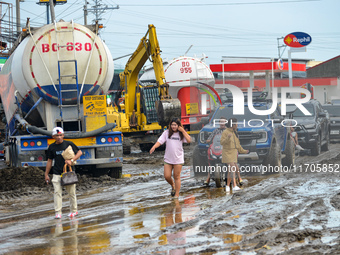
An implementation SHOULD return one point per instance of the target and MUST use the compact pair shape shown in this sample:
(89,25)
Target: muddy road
(296,212)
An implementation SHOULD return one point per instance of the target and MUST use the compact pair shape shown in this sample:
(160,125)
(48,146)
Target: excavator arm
(167,107)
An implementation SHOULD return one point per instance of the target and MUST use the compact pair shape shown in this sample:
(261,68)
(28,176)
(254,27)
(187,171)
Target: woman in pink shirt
(174,137)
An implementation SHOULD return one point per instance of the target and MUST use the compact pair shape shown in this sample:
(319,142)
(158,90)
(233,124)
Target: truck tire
(116,172)
(97,172)
(9,160)
(273,158)
(199,163)
(13,155)
(316,150)
(289,160)
(218,176)
(145,147)
(325,147)
(126,147)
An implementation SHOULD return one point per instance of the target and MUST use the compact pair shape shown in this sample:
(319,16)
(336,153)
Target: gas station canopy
(256,67)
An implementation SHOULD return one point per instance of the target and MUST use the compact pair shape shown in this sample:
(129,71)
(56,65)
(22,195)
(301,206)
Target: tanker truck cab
(267,140)
(59,75)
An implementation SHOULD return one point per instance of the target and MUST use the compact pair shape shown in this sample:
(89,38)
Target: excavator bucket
(168,109)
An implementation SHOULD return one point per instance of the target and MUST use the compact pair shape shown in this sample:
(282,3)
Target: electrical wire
(218,4)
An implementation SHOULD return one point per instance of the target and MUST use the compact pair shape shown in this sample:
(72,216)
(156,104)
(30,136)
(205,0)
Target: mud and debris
(294,212)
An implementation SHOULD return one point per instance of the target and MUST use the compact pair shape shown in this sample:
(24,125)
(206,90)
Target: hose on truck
(37,131)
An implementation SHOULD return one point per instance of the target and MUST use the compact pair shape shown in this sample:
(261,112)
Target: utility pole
(85,13)
(50,8)
(52,11)
(98,9)
(17,10)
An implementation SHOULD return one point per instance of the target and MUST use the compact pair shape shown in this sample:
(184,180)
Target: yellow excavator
(142,110)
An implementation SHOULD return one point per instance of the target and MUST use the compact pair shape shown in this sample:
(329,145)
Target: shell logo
(297,39)
(280,64)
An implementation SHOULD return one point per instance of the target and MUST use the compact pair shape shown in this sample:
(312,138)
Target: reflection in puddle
(137,225)
(72,238)
(136,210)
(172,216)
(231,238)
(141,236)
(133,175)
(234,248)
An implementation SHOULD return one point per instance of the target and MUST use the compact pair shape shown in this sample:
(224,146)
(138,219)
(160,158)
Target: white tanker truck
(191,81)
(58,76)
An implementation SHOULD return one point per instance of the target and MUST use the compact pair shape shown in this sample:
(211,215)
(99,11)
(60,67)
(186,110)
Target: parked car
(268,142)
(334,117)
(313,130)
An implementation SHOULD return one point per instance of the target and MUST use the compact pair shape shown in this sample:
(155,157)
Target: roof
(261,83)
(329,60)
(256,67)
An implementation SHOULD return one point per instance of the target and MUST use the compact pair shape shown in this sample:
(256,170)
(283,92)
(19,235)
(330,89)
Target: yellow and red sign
(55,1)
(94,105)
(191,108)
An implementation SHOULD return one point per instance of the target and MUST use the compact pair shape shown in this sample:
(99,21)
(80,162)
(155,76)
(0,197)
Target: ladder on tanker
(73,75)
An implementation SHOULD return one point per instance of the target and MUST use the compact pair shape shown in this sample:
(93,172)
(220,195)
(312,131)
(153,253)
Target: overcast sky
(216,28)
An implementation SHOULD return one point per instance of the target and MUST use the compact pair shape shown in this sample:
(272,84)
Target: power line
(98,9)
(221,4)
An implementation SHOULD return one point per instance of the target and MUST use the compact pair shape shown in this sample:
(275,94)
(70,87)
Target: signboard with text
(297,39)
(55,1)
(94,105)
(191,108)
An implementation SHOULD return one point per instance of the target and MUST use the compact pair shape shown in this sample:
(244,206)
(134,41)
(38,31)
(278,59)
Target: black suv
(313,130)
(334,116)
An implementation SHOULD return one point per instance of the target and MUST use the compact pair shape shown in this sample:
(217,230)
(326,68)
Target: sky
(215,28)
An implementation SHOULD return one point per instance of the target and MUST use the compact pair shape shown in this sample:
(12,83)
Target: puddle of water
(67,238)
(334,219)
(328,239)
(230,238)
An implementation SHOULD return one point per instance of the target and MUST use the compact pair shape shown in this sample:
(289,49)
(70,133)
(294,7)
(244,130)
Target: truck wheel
(116,172)
(199,163)
(97,172)
(289,160)
(10,155)
(145,147)
(316,150)
(273,158)
(218,176)
(325,147)
(14,155)
(126,147)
